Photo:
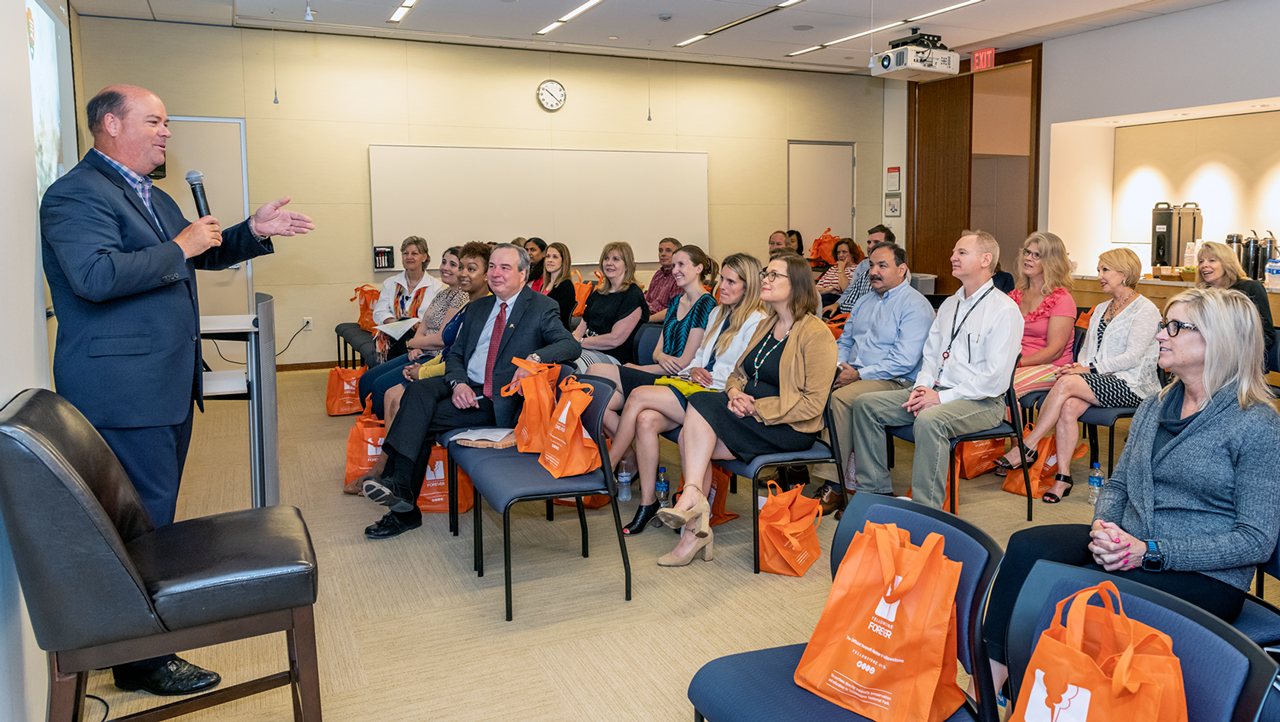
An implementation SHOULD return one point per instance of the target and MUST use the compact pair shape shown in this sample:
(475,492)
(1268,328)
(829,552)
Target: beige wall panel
(314,161)
(337,251)
(326,304)
(744,228)
(481,87)
(743,170)
(723,101)
(834,107)
(614,94)
(210,82)
(325,77)
(604,140)
(867,178)
(869,215)
(467,137)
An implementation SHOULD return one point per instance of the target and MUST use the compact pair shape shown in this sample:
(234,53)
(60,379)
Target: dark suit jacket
(534,326)
(128,348)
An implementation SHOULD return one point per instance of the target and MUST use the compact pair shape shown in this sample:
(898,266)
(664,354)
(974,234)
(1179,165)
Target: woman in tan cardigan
(773,402)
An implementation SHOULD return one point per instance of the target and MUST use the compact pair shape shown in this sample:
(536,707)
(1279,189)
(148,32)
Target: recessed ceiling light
(399,14)
(613,37)
(802,28)
(572,14)
(789,3)
(691,41)
(872,31)
(549,28)
(957,6)
(747,19)
(806,50)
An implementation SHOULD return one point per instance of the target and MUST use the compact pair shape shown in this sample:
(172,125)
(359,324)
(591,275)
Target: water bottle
(1096,480)
(1273,274)
(624,486)
(663,489)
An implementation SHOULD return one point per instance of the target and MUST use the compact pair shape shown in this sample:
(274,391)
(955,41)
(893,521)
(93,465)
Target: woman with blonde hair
(1117,367)
(1218,267)
(651,411)
(1191,507)
(405,295)
(615,310)
(1042,290)
(555,282)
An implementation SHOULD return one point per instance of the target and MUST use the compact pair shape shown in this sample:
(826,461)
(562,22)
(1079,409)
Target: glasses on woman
(772,276)
(1028,253)
(1173,328)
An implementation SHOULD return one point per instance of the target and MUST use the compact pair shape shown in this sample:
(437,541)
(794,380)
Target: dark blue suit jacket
(534,326)
(128,347)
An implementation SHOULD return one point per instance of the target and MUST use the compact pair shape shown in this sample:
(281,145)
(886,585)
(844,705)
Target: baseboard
(306,367)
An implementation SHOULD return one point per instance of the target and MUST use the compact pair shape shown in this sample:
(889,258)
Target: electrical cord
(242,363)
(106,712)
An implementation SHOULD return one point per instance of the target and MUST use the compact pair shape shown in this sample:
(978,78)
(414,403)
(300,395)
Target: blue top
(675,332)
(884,336)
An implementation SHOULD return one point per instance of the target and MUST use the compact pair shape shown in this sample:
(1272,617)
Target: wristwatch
(535,358)
(1093,369)
(1153,560)
(255,232)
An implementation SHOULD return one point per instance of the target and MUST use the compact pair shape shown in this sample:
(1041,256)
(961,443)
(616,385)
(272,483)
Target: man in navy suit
(513,322)
(120,261)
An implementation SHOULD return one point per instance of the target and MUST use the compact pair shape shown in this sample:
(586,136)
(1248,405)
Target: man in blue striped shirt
(880,350)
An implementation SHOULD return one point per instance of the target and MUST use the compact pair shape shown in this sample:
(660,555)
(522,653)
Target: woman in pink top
(1042,292)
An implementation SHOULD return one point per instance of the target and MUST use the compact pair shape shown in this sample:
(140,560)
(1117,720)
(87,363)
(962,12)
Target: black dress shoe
(386,493)
(390,525)
(176,677)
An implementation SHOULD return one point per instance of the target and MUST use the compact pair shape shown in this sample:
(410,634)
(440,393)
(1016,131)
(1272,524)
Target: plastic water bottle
(1096,480)
(1273,274)
(663,489)
(624,486)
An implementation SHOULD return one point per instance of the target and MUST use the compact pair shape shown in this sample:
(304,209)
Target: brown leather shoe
(832,499)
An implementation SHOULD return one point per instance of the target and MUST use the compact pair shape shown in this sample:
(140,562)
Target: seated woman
(772,403)
(1042,290)
(615,310)
(556,283)
(1219,268)
(537,249)
(1203,449)
(1117,366)
(682,330)
(405,295)
(653,410)
(837,278)
(425,342)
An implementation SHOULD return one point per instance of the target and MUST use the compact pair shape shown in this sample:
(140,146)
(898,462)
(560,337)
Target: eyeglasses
(1173,328)
(772,276)
(1027,252)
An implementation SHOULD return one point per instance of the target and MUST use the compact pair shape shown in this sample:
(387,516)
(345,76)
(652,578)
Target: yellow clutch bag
(684,386)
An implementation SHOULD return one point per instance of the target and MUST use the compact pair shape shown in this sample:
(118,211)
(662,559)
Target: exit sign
(984,59)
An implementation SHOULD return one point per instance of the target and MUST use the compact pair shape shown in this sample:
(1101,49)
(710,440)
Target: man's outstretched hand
(273,220)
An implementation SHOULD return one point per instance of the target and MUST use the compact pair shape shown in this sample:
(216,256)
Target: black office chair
(647,342)
(105,588)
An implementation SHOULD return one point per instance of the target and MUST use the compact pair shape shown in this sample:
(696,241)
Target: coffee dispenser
(1172,227)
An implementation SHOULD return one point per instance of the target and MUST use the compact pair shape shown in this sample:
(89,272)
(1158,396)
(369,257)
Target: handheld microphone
(196,179)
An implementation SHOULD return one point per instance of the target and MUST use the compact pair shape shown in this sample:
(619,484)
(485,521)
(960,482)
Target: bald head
(130,125)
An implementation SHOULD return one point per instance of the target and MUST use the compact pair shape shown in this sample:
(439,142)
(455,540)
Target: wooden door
(938,154)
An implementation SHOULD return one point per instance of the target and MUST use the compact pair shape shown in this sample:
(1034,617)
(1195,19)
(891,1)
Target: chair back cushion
(68,510)
(647,342)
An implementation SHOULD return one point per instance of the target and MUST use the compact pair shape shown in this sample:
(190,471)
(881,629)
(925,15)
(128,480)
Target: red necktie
(495,340)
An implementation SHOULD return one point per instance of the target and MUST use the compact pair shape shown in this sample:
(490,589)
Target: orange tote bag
(885,645)
(434,498)
(1101,667)
(364,443)
(1043,470)
(569,450)
(539,389)
(368,296)
(789,532)
(343,395)
(720,480)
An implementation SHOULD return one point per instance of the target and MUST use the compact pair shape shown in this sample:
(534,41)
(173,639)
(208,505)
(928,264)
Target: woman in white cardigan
(1116,367)
(652,410)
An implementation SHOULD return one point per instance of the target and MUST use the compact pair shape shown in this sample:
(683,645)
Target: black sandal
(1052,498)
(1003,467)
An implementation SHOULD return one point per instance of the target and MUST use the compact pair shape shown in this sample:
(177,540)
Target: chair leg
(755,523)
(622,544)
(1093,444)
(697,716)
(888,450)
(1111,449)
(304,665)
(453,496)
(582,521)
(733,483)
(551,510)
(506,554)
(477,561)
(951,477)
(66,693)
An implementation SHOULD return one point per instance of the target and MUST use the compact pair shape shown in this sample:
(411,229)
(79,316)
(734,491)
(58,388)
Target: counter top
(1158,282)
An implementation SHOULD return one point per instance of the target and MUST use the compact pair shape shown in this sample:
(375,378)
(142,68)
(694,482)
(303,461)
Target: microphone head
(195,177)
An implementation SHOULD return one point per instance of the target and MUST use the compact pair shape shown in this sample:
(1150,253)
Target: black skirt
(747,437)
(631,379)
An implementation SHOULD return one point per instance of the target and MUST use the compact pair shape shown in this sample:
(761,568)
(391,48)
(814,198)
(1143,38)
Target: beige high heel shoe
(676,518)
(703,545)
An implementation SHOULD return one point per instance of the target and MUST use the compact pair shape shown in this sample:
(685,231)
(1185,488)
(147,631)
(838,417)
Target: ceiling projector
(915,57)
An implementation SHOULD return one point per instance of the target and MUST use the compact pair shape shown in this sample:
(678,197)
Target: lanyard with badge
(956,328)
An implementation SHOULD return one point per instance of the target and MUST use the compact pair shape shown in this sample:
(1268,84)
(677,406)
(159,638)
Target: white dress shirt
(727,361)
(475,367)
(988,337)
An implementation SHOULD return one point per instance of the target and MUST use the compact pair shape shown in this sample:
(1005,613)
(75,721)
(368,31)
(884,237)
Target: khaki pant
(842,420)
(934,428)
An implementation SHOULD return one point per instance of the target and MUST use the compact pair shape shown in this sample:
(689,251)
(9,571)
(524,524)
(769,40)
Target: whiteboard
(581,198)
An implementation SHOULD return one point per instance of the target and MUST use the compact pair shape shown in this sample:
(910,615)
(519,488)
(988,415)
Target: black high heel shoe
(1052,498)
(1003,467)
(646,515)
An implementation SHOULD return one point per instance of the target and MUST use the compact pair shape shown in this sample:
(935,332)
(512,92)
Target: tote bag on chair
(569,450)
(539,389)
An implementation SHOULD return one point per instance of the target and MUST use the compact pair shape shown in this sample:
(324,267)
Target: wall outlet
(306,323)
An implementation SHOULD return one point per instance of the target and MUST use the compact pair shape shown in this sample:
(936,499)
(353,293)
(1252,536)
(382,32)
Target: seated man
(662,287)
(968,359)
(515,321)
(879,350)
(861,282)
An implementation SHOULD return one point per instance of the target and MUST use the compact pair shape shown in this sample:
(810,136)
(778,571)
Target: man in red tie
(513,322)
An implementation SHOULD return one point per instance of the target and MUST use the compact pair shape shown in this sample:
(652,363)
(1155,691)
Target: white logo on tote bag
(884,609)
(1074,706)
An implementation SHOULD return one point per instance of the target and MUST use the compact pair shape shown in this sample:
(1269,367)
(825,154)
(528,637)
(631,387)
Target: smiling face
(885,273)
(731,287)
(1111,280)
(535,254)
(552,261)
(683,270)
(666,251)
(1182,354)
(776,287)
(1032,266)
(1210,269)
(449,269)
(137,138)
(614,266)
(472,275)
(412,258)
(505,277)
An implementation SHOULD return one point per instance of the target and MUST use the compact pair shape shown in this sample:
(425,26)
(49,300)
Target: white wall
(23,355)
(1181,60)
(895,155)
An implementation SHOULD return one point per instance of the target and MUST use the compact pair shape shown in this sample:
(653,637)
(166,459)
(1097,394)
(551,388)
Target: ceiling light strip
(571,15)
(888,26)
(401,11)
(735,23)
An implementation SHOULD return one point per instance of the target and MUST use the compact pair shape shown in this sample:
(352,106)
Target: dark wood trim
(909,231)
(306,367)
